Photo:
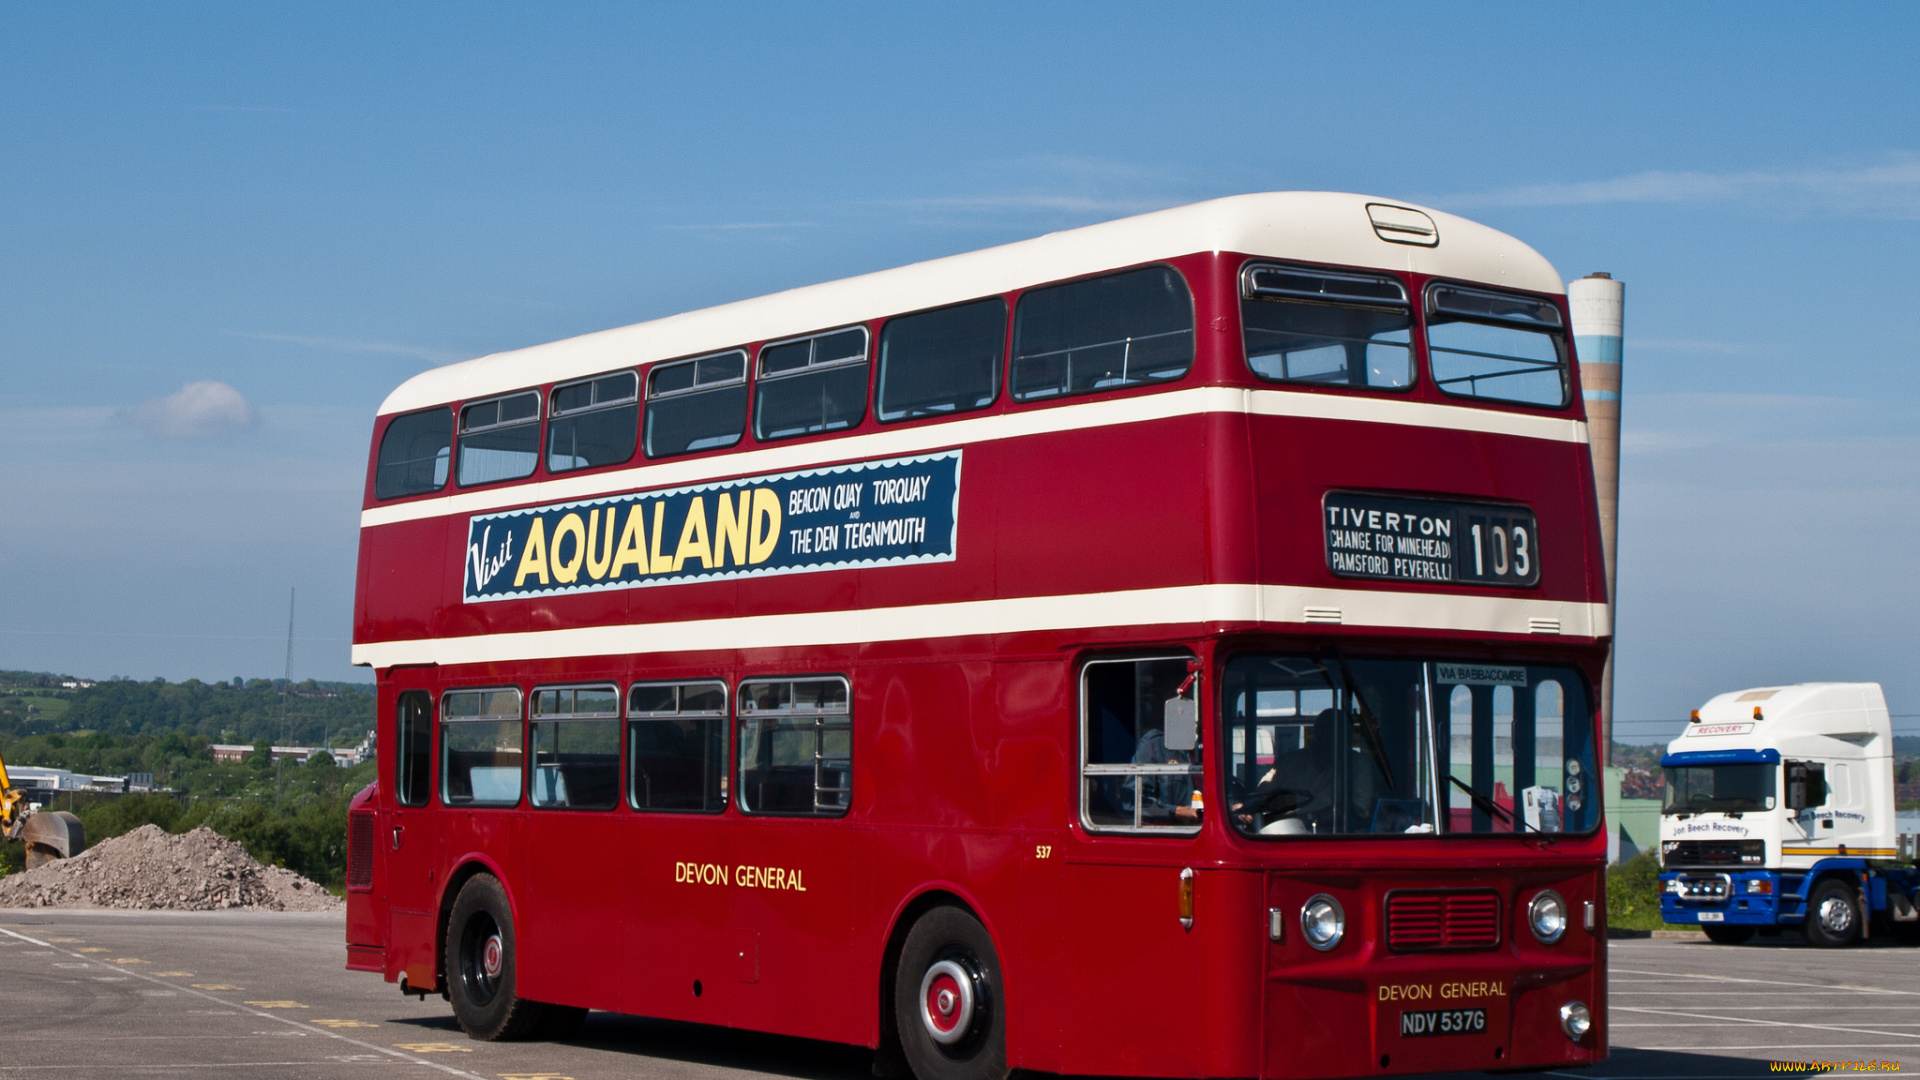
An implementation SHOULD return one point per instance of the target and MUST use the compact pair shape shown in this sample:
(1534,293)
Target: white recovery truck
(1779,812)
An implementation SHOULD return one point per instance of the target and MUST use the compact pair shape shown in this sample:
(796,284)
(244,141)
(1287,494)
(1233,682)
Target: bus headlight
(1547,916)
(1322,922)
(1575,1020)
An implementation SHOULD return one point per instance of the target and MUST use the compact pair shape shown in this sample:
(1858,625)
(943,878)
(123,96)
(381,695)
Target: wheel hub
(947,1001)
(1836,915)
(490,956)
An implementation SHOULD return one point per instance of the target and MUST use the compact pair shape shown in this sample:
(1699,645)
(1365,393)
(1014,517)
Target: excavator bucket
(50,835)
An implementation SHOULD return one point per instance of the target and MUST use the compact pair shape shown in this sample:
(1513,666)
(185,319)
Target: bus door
(408,833)
(793,878)
(575,881)
(674,855)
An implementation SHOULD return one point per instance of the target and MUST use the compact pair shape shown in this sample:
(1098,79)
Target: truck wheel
(481,965)
(947,999)
(1833,914)
(1727,935)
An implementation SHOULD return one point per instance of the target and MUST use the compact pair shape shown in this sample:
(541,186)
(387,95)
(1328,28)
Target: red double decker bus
(1162,648)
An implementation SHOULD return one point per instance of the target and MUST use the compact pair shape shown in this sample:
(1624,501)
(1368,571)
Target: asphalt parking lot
(231,994)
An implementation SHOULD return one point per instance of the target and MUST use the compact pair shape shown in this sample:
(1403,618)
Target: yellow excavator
(48,834)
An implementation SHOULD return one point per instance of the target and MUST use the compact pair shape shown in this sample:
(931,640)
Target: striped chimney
(1597,303)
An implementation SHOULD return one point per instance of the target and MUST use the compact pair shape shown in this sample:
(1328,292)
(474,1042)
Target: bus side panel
(1100,509)
(677,948)
(401,563)
(575,886)
(926,761)
(1024,714)
(1132,971)
(795,885)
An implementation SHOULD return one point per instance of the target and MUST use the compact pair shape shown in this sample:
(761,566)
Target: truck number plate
(1713,916)
(1416,1024)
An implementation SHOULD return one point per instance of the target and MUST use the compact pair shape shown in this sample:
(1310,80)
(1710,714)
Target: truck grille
(359,851)
(1676,853)
(1427,921)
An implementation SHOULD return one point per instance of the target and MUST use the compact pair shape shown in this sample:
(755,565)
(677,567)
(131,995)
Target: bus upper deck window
(1120,330)
(1311,326)
(698,404)
(594,422)
(1496,346)
(936,363)
(499,439)
(413,454)
(678,746)
(796,747)
(815,384)
(481,745)
(576,747)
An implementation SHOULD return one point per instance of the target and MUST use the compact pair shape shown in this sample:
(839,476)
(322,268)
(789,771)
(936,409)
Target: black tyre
(948,1000)
(1727,935)
(481,966)
(1833,914)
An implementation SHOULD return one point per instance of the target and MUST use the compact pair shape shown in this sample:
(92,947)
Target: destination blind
(1396,538)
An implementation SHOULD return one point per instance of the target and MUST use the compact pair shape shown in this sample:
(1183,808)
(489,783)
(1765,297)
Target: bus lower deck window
(677,739)
(413,741)
(1311,326)
(698,404)
(1120,330)
(796,747)
(1141,745)
(481,742)
(576,747)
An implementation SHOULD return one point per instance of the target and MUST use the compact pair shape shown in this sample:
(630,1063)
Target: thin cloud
(196,410)
(730,225)
(386,348)
(1687,345)
(1888,189)
(1039,202)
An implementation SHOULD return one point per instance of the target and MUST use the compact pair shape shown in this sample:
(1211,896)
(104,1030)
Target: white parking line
(1769,982)
(264,1015)
(1765,1023)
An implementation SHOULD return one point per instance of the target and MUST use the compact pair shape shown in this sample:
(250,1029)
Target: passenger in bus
(1163,799)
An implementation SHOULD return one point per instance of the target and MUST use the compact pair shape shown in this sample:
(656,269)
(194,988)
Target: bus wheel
(1833,914)
(1727,935)
(480,965)
(947,1000)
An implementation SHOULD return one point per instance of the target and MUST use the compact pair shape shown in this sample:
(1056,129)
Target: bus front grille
(1427,921)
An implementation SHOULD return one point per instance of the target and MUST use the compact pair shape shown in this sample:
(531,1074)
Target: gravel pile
(151,869)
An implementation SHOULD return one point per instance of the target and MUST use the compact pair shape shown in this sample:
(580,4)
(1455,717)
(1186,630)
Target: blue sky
(310,203)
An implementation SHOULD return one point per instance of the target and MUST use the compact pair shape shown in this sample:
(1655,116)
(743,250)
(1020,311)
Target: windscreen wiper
(1369,724)
(1481,802)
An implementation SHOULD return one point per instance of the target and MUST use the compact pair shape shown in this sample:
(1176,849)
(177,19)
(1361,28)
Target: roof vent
(1401,225)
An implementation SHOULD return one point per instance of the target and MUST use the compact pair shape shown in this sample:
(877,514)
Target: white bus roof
(1312,226)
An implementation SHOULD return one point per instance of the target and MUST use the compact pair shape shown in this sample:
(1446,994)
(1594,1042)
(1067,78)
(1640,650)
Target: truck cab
(1779,811)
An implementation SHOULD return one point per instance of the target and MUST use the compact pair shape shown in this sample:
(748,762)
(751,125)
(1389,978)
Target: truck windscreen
(1698,789)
